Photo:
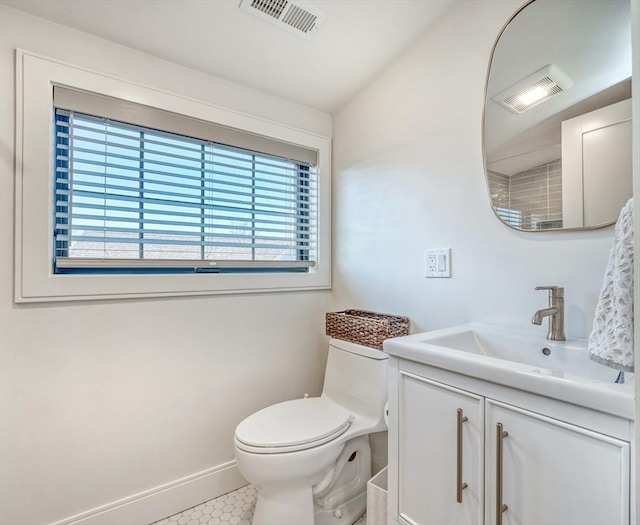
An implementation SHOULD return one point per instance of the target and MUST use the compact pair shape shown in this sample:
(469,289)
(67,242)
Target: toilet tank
(356,378)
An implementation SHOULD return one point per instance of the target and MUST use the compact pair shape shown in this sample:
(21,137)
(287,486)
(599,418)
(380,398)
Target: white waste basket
(377,499)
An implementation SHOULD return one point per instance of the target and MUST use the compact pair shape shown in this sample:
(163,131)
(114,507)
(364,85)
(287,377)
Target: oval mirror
(557,121)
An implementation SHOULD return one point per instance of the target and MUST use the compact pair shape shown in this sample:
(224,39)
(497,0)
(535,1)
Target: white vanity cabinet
(443,435)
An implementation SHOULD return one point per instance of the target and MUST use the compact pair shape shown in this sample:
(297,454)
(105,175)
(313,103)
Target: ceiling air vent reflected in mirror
(534,89)
(295,17)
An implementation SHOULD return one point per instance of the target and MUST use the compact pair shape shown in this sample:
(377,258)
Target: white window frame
(35,280)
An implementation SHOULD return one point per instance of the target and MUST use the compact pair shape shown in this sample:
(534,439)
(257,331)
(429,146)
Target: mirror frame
(484,156)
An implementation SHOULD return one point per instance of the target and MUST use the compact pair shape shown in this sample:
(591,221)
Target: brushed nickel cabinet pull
(460,486)
(500,507)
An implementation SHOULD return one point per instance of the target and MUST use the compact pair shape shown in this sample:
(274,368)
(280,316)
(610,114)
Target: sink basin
(562,358)
(522,359)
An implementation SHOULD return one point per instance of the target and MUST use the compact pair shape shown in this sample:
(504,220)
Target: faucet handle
(554,291)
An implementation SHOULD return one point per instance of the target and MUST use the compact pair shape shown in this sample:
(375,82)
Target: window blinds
(131,197)
(153,118)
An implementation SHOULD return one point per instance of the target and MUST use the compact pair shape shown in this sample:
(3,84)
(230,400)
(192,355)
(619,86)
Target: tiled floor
(235,508)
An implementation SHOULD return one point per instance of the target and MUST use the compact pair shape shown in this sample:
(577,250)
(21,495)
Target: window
(509,216)
(125,191)
(133,198)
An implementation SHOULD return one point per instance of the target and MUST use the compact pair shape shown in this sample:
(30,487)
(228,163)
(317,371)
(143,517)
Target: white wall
(408,175)
(103,400)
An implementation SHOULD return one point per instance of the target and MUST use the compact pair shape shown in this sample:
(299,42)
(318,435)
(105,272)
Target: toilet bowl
(310,458)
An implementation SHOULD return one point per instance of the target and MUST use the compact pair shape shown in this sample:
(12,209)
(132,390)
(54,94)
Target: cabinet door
(428,459)
(553,472)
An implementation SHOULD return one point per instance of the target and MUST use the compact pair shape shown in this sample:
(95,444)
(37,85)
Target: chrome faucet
(555,313)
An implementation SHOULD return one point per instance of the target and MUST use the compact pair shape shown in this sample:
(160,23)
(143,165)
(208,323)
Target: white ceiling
(356,41)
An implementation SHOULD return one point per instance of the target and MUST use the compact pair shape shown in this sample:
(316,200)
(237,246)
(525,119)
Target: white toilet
(310,458)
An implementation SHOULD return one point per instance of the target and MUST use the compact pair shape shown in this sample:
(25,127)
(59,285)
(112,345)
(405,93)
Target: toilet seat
(293,425)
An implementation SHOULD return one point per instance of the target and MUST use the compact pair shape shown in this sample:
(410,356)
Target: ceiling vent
(534,89)
(296,17)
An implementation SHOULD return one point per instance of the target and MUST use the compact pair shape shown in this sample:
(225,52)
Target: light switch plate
(437,262)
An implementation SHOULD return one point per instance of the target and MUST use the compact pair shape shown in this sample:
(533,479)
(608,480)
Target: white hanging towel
(611,340)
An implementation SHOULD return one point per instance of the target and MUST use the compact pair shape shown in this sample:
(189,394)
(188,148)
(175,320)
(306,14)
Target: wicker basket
(365,328)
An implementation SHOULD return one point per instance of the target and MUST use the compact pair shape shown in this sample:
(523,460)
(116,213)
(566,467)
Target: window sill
(96,287)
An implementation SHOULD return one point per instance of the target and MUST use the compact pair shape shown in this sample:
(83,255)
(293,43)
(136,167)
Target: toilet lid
(294,423)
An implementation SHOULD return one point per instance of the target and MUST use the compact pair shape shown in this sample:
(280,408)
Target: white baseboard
(165,500)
